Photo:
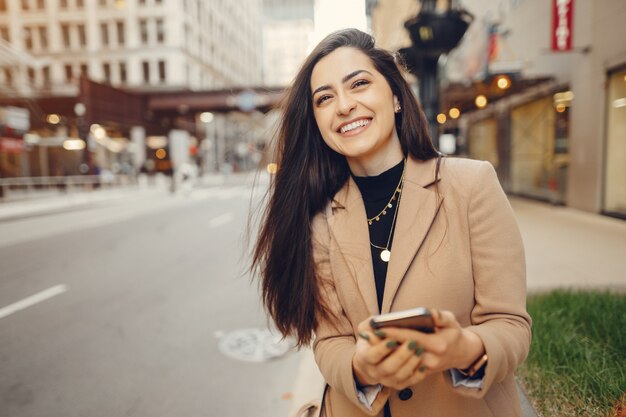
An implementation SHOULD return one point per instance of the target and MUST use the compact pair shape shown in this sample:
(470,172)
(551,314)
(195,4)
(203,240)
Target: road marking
(220,220)
(32,300)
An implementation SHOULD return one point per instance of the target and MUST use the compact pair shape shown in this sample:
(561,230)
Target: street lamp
(207,118)
(79,110)
(434,32)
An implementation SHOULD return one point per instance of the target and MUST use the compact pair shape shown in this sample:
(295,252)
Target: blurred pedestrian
(366,216)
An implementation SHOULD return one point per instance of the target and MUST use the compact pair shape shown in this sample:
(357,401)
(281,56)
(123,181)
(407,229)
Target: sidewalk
(565,248)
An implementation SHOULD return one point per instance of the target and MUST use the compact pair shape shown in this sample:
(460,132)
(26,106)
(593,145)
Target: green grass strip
(577,360)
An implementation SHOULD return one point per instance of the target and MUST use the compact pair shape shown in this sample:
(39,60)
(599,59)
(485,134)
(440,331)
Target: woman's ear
(396,104)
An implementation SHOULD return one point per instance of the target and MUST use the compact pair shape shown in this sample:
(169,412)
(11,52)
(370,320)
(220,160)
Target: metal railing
(25,186)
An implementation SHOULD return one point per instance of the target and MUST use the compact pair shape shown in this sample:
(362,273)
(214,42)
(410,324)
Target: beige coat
(457,247)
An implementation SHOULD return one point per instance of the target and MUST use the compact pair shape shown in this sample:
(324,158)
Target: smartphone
(416,318)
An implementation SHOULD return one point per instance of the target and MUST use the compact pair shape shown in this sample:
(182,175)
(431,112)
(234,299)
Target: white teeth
(354,125)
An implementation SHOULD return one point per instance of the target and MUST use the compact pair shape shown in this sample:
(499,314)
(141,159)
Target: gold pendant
(385,255)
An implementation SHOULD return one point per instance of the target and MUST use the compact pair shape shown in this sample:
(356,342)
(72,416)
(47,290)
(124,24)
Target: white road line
(220,220)
(32,300)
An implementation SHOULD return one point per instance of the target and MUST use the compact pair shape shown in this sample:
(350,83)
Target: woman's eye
(322,99)
(359,83)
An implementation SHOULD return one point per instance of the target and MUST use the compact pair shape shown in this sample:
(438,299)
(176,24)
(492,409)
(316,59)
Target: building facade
(136,44)
(561,137)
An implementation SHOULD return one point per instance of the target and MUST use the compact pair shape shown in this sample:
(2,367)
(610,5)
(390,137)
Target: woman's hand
(398,357)
(380,359)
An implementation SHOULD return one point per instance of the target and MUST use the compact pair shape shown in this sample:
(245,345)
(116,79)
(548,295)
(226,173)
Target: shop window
(539,148)
(615,165)
(482,141)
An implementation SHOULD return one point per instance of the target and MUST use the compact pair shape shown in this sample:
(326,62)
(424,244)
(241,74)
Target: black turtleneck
(377,191)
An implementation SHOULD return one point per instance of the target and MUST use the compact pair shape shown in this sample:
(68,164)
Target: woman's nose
(345,104)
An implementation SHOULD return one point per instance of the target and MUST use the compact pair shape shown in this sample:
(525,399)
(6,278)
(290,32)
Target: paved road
(142,288)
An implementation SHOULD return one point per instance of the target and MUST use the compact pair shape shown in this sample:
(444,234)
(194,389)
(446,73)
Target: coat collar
(348,224)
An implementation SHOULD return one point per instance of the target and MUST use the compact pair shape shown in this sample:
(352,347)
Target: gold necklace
(385,254)
(383,212)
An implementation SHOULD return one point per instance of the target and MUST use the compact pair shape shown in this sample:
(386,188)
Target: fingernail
(392,344)
(412,345)
(422,369)
(419,351)
(380,333)
(364,336)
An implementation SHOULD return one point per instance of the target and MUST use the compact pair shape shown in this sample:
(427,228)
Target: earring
(398,108)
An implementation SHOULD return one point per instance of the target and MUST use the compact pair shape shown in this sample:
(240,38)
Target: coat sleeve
(499,315)
(335,342)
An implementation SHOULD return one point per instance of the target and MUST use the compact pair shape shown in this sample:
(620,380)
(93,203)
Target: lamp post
(434,32)
(79,110)
(207,118)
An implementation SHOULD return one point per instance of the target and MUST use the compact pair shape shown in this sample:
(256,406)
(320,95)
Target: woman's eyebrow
(343,80)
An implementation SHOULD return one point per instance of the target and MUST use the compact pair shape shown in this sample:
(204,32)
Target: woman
(366,217)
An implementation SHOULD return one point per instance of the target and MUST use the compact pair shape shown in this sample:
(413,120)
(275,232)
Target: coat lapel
(417,211)
(348,225)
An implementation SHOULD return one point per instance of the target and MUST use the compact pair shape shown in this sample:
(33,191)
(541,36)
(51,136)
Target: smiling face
(354,110)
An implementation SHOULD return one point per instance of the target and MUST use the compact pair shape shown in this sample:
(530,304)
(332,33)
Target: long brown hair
(309,175)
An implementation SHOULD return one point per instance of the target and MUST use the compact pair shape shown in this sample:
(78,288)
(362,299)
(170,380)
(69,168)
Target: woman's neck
(378,162)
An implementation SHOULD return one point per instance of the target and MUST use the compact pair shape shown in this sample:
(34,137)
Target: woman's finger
(397,360)
(444,319)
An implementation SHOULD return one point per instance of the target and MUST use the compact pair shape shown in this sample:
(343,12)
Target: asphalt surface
(142,287)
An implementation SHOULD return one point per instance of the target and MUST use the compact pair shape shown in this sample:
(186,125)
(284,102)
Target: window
(102,3)
(4,33)
(3,5)
(43,37)
(158,1)
(41,4)
(159,31)
(120,33)
(69,76)
(123,75)
(84,70)
(82,40)
(104,34)
(24,4)
(143,31)
(142,2)
(80,4)
(63,4)
(8,76)
(145,65)
(31,75)
(65,33)
(162,71)
(106,69)
(45,72)
(28,38)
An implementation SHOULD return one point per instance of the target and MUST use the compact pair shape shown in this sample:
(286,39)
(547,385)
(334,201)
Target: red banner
(562,26)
